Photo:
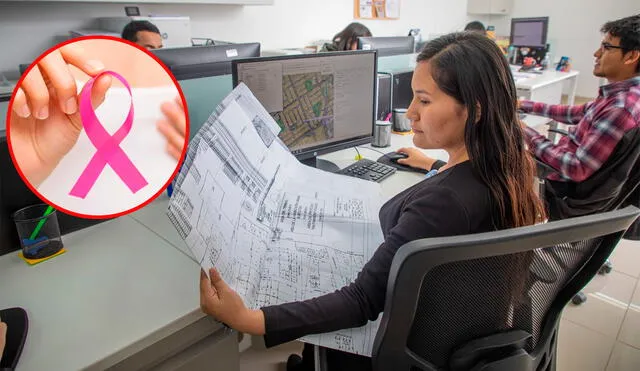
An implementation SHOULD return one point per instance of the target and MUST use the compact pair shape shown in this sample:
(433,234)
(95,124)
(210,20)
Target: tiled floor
(603,334)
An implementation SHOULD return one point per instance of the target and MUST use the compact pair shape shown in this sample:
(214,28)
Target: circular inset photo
(97,127)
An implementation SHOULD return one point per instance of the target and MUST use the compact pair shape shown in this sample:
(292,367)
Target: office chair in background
(616,184)
(489,301)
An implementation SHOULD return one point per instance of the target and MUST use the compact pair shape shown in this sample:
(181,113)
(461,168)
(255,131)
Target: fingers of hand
(56,70)
(100,87)
(37,93)
(175,114)
(216,280)
(20,106)
(76,56)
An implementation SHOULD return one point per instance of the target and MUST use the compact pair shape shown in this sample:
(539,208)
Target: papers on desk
(276,230)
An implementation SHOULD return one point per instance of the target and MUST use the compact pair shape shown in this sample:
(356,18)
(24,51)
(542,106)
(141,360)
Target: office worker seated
(598,125)
(476,26)
(347,39)
(143,33)
(465,103)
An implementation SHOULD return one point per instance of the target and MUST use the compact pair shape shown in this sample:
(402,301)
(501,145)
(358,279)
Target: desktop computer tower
(383,96)
(14,195)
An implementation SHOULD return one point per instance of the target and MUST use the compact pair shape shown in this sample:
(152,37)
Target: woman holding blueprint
(465,103)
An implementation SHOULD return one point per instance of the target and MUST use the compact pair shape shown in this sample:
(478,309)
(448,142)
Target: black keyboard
(368,170)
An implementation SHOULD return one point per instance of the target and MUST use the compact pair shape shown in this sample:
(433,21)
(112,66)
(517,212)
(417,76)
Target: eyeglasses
(606,46)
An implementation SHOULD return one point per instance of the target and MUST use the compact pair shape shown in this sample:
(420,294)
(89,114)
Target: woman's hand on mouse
(416,158)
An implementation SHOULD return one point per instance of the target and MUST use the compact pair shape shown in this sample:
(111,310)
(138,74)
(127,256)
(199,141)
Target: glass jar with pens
(38,231)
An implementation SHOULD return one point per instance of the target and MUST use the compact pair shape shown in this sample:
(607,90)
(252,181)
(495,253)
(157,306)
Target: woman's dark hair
(475,26)
(343,39)
(628,30)
(471,68)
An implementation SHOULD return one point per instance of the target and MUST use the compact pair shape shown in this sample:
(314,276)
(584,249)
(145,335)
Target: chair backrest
(609,188)
(444,294)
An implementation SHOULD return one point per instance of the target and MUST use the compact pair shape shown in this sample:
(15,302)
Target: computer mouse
(395,156)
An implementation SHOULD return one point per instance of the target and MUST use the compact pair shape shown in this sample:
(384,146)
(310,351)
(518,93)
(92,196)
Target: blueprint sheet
(276,230)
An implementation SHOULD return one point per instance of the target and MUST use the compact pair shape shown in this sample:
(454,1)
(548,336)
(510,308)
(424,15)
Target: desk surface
(531,81)
(118,287)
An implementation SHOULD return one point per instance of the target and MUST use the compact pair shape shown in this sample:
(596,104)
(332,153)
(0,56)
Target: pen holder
(38,231)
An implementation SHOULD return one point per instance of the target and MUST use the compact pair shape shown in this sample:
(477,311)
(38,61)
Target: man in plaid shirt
(599,124)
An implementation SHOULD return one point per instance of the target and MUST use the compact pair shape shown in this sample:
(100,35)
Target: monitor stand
(321,164)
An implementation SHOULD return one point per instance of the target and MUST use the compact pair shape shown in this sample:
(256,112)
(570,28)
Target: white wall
(574,29)
(27,29)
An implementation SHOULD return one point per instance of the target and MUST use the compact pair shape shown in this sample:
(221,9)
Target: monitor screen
(203,95)
(385,46)
(199,61)
(529,32)
(323,102)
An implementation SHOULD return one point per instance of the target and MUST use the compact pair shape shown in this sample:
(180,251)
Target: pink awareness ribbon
(108,147)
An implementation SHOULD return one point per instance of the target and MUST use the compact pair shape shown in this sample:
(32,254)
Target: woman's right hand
(416,159)
(45,122)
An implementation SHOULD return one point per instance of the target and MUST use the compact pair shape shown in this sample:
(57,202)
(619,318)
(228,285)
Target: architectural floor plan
(277,230)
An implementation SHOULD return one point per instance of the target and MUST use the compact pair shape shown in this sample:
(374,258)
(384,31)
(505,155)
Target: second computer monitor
(198,61)
(323,102)
(392,45)
(529,32)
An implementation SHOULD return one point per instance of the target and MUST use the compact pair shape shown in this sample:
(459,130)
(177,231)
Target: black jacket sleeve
(431,212)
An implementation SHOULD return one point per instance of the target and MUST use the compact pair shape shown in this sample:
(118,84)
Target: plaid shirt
(599,125)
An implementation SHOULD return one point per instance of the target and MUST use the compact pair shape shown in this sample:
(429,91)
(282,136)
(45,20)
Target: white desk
(399,181)
(121,298)
(546,87)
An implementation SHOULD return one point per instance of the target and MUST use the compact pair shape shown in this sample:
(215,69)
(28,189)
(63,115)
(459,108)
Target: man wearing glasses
(600,124)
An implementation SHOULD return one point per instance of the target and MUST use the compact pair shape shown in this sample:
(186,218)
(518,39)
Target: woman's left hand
(224,304)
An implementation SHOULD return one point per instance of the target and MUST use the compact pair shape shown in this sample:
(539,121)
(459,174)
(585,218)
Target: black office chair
(616,184)
(490,301)
(17,328)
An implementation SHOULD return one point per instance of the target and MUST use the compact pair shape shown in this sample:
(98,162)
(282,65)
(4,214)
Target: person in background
(347,39)
(597,126)
(143,33)
(476,26)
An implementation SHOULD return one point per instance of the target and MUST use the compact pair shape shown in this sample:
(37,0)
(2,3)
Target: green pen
(35,232)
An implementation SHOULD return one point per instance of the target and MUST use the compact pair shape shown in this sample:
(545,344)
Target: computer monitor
(529,32)
(323,102)
(391,45)
(211,60)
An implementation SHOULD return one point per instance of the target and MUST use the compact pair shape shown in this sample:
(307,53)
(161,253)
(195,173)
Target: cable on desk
(371,149)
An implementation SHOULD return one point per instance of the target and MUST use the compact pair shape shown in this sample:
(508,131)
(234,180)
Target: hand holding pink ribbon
(107,146)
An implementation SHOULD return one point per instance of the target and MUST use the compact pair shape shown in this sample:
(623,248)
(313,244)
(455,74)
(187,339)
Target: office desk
(399,181)
(546,87)
(121,298)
